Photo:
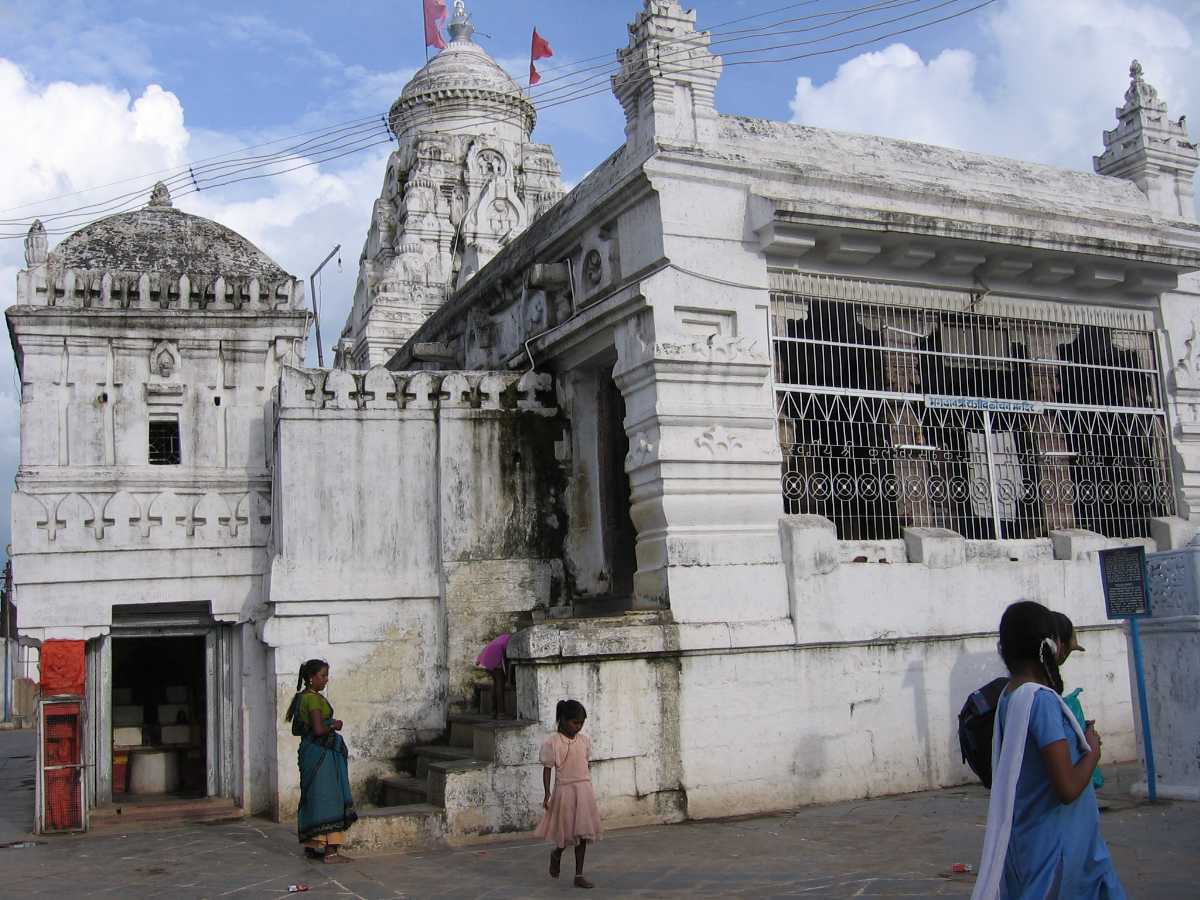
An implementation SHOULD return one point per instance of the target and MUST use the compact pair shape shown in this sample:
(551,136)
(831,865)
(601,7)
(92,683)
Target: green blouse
(310,701)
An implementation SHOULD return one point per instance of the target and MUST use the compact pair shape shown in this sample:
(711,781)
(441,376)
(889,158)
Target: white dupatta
(1006,768)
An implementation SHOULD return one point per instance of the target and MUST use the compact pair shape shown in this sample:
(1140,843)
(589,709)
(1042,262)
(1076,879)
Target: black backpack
(975,723)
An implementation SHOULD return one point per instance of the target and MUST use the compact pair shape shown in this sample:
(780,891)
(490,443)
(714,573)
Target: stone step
(437,753)
(441,771)
(387,829)
(507,742)
(462,728)
(161,812)
(404,790)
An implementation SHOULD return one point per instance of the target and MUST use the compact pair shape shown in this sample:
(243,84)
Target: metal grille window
(995,426)
(164,442)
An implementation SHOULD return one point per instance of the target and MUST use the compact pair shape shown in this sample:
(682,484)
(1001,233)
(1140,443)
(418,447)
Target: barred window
(993,425)
(164,442)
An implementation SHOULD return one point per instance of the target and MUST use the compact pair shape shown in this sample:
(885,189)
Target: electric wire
(566,92)
(353,140)
(196,167)
(181,169)
(772,28)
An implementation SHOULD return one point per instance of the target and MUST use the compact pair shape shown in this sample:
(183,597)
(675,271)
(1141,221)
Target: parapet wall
(418,516)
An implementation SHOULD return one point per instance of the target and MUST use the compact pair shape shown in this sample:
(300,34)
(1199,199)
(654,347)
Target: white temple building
(749,439)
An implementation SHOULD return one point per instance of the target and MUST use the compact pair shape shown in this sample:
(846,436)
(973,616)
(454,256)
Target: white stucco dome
(462,84)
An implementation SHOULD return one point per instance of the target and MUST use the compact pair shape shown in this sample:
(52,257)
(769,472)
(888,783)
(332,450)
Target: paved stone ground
(890,847)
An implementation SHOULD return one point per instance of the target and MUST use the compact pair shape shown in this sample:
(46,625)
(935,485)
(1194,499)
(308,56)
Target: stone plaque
(1123,573)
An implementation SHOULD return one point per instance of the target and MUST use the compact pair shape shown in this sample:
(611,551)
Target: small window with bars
(993,425)
(164,442)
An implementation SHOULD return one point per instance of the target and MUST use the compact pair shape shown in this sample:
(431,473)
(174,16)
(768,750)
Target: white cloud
(1041,85)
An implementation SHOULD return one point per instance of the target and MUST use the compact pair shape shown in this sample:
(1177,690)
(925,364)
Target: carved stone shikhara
(464,180)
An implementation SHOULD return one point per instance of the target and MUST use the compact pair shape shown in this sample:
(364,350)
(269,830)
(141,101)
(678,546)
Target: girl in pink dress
(572,816)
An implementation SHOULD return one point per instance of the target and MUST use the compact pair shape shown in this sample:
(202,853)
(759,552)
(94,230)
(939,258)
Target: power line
(177,170)
(353,140)
(566,91)
(690,39)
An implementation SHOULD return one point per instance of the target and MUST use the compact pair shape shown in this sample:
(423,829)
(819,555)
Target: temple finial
(160,196)
(460,27)
(35,244)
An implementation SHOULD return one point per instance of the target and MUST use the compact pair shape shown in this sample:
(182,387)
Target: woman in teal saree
(326,805)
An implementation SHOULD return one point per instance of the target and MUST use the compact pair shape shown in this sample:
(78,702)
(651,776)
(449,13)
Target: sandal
(312,853)
(581,882)
(555,863)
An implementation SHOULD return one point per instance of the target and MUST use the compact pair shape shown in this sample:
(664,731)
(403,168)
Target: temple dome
(160,238)
(462,83)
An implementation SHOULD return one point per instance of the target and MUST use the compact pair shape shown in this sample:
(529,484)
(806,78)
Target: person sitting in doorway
(326,805)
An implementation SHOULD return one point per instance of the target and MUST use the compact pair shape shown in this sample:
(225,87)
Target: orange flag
(539,50)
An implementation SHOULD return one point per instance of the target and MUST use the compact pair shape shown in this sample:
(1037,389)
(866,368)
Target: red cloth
(63,668)
(540,49)
(435,14)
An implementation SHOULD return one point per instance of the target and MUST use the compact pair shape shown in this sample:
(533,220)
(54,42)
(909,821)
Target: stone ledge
(1079,543)
(810,545)
(938,548)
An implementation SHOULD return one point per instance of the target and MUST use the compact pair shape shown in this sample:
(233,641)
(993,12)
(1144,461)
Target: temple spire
(461,28)
(1151,150)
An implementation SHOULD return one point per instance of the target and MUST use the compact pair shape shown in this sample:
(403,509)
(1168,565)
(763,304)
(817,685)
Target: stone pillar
(900,332)
(704,472)
(1053,448)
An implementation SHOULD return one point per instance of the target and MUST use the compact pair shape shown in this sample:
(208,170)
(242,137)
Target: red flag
(540,49)
(435,14)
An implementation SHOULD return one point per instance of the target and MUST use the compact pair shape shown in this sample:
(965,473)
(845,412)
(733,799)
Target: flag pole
(425,30)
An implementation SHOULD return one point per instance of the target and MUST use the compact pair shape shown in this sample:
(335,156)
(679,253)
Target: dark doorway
(159,727)
(620,537)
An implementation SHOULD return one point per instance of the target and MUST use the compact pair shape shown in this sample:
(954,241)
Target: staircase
(472,784)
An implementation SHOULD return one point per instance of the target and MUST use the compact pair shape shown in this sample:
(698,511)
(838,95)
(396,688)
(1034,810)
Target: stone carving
(36,245)
(715,348)
(1171,582)
(210,516)
(160,196)
(1187,367)
(457,392)
(74,519)
(340,390)
(530,385)
(1139,91)
(121,520)
(379,389)
(593,267)
(641,451)
(164,359)
(504,219)
(492,163)
(718,441)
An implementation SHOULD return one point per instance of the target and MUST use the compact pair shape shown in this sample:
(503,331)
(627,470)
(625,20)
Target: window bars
(892,414)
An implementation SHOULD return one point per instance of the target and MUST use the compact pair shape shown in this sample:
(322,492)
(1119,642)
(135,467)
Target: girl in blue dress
(1043,832)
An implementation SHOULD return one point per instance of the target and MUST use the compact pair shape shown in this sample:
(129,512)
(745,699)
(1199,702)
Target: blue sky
(94,92)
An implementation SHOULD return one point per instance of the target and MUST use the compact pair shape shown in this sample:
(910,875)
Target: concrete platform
(899,846)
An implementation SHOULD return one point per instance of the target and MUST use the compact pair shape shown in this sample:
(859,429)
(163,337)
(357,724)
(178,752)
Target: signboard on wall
(1123,575)
(982,404)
